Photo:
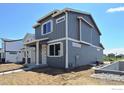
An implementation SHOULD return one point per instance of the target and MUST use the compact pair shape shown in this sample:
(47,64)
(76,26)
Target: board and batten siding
(83,55)
(58,32)
(58,29)
(86,32)
(74,31)
(95,38)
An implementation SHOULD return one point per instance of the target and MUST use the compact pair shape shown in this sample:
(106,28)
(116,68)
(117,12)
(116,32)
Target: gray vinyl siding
(86,30)
(86,55)
(58,62)
(58,29)
(73,26)
(95,38)
(76,56)
(58,32)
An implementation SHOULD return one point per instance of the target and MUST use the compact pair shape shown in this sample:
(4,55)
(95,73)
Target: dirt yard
(11,66)
(50,76)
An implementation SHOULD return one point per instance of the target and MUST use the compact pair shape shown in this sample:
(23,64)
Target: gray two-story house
(67,39)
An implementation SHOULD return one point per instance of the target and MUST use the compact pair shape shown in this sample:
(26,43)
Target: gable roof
(101,45)
(39,20)
(28,35)
(10,40)
(78,11)
(55,13)
(50,13)
(72,10)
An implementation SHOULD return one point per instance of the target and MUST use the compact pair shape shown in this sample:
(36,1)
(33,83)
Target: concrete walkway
(13,71)
(21,69)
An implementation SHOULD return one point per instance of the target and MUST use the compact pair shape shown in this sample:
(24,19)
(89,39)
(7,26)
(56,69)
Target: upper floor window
(47,27)
(61,19)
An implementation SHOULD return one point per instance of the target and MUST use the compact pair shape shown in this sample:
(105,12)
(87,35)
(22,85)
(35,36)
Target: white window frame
(46,23)
(61,49)
(59,19)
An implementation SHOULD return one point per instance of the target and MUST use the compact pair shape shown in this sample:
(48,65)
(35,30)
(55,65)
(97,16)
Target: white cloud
(114,50)
(117,9)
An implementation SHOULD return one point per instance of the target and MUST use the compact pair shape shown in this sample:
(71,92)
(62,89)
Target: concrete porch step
(31,66)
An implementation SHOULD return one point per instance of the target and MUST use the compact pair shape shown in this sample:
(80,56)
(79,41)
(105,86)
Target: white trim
(63,17)
(50,13)
(37,53)
(37,24)
(58,13)
(71,39)
(80,30)
(81,35)
(61,49)
(34,41)
(66,36)
(96,46)
(86,22)
(46,23)
(69,9)
(26,58)
(56,40)
(85,42)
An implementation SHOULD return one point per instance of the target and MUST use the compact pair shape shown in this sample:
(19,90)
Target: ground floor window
(55,49)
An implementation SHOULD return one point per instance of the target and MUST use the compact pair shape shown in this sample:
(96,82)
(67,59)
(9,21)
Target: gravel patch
(108,76)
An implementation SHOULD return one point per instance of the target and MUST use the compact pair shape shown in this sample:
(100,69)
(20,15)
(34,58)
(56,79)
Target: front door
(44,54)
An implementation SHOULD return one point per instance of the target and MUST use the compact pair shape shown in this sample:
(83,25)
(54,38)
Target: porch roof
(34,41)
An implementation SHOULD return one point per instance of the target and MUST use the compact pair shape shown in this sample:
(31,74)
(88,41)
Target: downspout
(66,36)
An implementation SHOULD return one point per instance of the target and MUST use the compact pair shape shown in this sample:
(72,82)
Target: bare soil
(52,76)
(9,66)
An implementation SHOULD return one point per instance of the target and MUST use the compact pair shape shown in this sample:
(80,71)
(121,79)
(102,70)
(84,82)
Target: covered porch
(40,54)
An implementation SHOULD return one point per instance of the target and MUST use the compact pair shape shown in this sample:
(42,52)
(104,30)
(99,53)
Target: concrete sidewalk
(21,69)
(18,70)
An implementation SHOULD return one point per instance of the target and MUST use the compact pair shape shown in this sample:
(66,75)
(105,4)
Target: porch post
(37,53)
(26,56)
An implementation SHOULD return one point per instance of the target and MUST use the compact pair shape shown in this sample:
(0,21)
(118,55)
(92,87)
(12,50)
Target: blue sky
(17,19)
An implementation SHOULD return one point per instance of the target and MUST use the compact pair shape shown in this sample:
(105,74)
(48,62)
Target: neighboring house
(0,54)
(30,50)
(67,39)
(12,50)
